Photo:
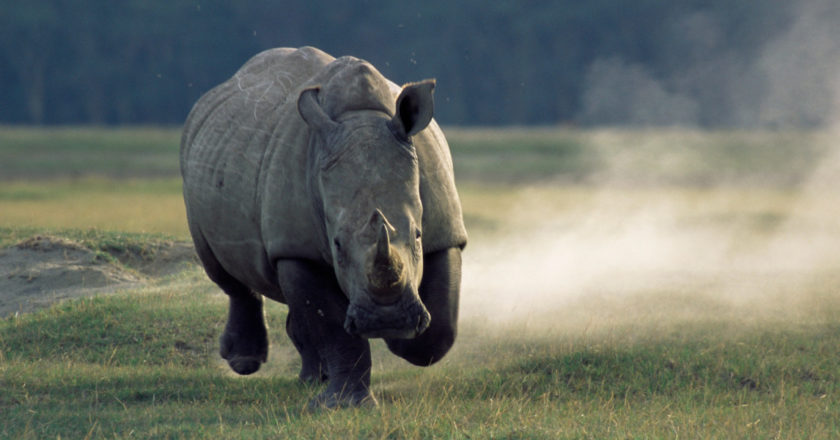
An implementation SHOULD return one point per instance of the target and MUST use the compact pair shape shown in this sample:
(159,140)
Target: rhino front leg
(312,368)
(317,308)
(440,292)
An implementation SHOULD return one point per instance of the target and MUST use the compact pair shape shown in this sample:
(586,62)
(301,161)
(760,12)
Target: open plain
(617,284)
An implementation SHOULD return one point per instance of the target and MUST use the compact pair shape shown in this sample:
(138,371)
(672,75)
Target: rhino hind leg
(317,308)
(440,293)
(244,343)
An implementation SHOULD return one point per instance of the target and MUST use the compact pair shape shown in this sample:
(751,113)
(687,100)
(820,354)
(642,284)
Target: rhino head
(363,172)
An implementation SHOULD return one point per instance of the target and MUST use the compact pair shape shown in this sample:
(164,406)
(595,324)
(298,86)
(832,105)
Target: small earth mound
(156,259)
(44,269)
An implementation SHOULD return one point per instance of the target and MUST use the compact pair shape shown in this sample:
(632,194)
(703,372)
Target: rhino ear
(415,108)
(311,112)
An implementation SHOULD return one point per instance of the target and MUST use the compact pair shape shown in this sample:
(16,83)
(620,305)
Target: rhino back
(231,135)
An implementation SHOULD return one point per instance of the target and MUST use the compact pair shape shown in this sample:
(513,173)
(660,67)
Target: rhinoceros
(317,182)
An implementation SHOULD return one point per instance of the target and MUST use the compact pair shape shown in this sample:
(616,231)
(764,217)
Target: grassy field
(618,284)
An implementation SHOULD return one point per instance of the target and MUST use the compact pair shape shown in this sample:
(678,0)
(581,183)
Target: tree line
(708,63)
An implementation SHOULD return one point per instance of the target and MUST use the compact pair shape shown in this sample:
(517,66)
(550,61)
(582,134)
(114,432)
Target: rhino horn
(387,269)
(383,246)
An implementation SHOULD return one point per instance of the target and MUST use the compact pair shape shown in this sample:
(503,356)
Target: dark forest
(704,63)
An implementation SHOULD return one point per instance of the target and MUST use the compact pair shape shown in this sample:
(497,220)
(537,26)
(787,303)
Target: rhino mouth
(405,319)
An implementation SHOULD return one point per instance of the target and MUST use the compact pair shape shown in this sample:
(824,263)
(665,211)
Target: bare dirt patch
(42,270)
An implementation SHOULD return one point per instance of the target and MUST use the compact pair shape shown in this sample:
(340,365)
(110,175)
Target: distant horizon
(751,64)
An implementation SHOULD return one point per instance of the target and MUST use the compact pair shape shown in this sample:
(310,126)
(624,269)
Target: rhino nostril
(384,298)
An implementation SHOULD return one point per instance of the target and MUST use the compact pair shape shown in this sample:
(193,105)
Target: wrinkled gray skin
(318,183)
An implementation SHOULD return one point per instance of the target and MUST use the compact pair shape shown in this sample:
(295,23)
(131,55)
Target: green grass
(144,364)
(489,156)
(153,205)
(50,153)
(680,361)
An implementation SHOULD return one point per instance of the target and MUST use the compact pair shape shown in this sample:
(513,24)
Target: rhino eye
(417,234)
(337,244)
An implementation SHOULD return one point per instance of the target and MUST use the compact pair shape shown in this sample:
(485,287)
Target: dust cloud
(625,250)
(656,251)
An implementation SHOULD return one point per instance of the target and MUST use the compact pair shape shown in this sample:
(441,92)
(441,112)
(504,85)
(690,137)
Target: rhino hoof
(244,364)
(313,377)
(331,400)
(244,355)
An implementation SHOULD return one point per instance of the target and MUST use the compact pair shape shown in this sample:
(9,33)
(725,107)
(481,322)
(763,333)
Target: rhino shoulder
(443,221)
